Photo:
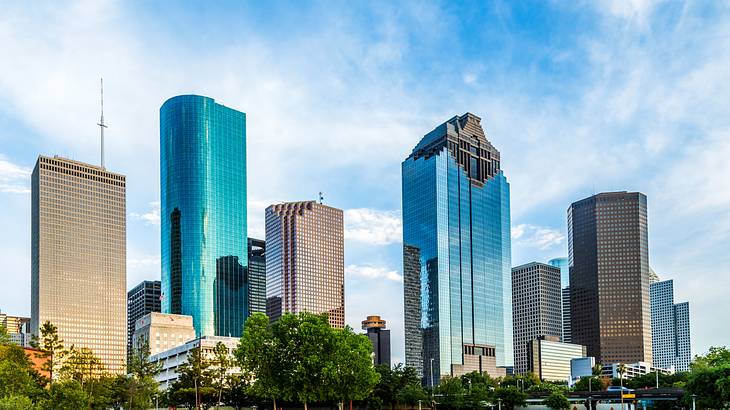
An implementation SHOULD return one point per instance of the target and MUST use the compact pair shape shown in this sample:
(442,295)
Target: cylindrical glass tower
(203,213)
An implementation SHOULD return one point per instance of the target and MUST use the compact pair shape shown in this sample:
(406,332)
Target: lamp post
(432,376)
(694,397)
(657,378)
(499,401)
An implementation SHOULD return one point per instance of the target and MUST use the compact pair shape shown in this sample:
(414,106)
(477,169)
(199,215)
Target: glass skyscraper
(203,213)
(671,347)
(456,254)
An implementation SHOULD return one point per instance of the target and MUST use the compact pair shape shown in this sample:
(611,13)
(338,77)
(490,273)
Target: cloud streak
(372,272)
(373,226)
(14,179)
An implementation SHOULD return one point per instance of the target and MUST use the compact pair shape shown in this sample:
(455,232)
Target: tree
(140,387)
(221,367)
(51,346)
(4,336)
(557,401)
(349,370)
(411,394)
(711,385)
(450,393)
(15,402)
(510,397)
(66,394)
(17,375)
(81,365)
(195,373)
(715,357)
(259,355)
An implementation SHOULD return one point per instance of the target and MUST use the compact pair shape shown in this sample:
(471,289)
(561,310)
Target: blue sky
(579,97)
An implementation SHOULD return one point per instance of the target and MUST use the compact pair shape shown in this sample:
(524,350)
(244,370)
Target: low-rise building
(18,329)
(172,359)
(632,370)
(549,359)
(379,338)
(163,331)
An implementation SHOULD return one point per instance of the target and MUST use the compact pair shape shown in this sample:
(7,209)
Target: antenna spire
(321,198)
(101,123)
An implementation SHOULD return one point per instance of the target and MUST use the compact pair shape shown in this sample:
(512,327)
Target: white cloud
(14,178)
(143,262)
(151,216)
(373,226)
(539,237)
(373,272)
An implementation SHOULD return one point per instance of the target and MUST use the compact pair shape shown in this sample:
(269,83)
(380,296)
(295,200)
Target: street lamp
(694,397)
(499,401)
(432,376)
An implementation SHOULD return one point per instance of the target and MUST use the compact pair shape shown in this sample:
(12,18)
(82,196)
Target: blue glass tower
(456,254)
(203,213)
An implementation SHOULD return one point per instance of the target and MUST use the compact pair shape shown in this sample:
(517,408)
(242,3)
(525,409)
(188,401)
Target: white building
(550,359)
(171,359)
(632,370)
(163,331)
(671,347)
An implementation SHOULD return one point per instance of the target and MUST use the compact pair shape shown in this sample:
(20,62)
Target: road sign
(629,396)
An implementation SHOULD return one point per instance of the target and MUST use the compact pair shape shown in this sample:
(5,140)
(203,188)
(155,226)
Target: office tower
(256,276)
(456,253)
(141,300)
(567,338)
(380,339)
(163,331)
(203,213)
(549,359)
(305,260)
(609,277)
(78,257)
(562,263)
(669,328)
(536,308)
(18,329)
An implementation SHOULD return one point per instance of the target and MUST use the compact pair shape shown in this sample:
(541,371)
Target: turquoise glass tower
(203,214)
(456,254)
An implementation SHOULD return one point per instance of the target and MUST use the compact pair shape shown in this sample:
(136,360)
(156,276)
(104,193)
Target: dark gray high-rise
(536,308)
(380,339)
(141,300)
(609,277)
(256,276)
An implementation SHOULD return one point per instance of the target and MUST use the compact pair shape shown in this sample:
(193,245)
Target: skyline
(364,96)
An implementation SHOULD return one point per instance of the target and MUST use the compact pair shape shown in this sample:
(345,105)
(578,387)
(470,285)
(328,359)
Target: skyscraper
(536,308)
(380,339)
(609,277)
(203,213)
(78,256)
(669,328)
(256,276)
(141,300)
(305,260)
(562,263)
(456,253)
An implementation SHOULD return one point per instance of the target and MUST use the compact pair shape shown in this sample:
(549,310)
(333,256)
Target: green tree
(391,383)
(411,394)
(557,401)
(259,355)
(711,385)
(16,402)
(510,397)
(140,386)
(195,374)
(479,387)
(717,356)
(52,347)
(592,383)
(64,395)
(81,365)
(350,374)
(221,367)
(17,375)
(450,393)
(4,336)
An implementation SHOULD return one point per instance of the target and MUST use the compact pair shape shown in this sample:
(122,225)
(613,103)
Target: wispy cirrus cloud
(373,226)
(14,179)
(373,272)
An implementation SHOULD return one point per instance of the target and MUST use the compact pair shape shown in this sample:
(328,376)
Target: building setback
(671,347)
(305,260)
(456,253)
(203,213)
(380,339)
(609,277)
(256,278)
(163,331)
(78,257)
(536,308)
(141,300)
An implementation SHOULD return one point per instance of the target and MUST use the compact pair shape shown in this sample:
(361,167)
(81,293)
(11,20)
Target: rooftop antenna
(101,124)
(321,198)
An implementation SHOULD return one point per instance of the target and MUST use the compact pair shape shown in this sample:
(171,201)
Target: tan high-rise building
(78,252)
(305,260)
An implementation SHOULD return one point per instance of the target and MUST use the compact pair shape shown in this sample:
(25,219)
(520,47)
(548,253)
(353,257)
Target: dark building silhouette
(609,277)
(380,338)
(230,289)
(141,300)
(256,276)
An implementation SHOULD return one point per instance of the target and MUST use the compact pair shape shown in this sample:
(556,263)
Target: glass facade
(203,213)
(669,328)
(456,235)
